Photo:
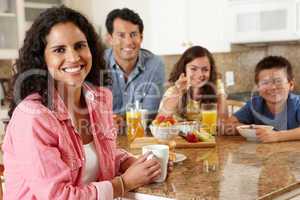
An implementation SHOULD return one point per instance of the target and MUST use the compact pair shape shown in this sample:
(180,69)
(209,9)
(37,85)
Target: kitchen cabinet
(100,9)
(9,26)
(173,26)
(255,21)
(167,27)
(16,16)
(177,25)
(207,24)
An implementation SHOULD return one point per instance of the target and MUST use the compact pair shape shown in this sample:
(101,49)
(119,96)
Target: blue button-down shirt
(144,84)
(256,112)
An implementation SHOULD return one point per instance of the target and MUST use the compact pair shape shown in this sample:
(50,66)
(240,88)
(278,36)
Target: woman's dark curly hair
(32,73)
(208,91)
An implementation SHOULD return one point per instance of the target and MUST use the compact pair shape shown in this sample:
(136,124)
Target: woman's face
(67,54)
(198,71)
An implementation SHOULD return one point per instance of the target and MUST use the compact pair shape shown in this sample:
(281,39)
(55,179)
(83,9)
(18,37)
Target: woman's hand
(266,135)
(141,172)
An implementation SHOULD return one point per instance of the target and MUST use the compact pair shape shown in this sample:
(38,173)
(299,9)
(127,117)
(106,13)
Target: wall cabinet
(255,21)
(9,26)
(173,26)
(170,26)
(177,26)
(16,16)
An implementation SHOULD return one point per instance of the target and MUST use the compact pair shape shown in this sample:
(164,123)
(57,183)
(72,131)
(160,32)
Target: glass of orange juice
(209,117)
(134,122)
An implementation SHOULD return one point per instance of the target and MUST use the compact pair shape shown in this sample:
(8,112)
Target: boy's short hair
(124,14)
(271,62)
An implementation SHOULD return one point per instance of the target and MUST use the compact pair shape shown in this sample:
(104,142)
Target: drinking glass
(134,122)
(209,117)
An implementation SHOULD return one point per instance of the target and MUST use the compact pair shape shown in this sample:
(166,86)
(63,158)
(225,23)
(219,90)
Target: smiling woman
(60,141)
(67,54)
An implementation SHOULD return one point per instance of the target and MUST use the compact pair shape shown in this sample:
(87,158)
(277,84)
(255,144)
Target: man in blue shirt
(275,105)
(137,74)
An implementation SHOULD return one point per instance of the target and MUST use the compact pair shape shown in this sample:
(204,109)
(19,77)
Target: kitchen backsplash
(5,68)
(242,61)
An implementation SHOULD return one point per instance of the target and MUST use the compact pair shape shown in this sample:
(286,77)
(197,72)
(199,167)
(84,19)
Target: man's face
(273,86)
(125,40)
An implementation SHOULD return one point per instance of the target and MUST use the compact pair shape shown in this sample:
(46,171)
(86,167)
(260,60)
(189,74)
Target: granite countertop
(234,169)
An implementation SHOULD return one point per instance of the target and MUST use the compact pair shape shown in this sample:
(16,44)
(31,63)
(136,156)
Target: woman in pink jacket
(60,142)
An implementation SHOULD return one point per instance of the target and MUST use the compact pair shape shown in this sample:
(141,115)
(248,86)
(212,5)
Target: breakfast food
(164,121)
(197,136)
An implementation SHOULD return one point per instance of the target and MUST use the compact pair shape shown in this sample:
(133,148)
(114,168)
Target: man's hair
(271,62)
(124,14)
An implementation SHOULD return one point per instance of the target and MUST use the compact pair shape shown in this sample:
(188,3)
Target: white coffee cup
(161,152)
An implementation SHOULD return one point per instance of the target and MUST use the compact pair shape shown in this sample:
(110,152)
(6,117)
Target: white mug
(161,152)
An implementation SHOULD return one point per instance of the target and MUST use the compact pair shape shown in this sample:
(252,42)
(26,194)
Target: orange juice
(134,125)
(209,121)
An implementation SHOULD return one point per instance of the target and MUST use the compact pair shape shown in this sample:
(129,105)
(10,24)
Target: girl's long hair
(207,92)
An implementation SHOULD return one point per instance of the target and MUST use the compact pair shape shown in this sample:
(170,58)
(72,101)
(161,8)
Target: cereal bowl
(249,131)
(164,133)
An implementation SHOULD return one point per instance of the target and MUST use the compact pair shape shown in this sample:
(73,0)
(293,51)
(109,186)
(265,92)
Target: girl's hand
(141,172)
(265,135)
(182,83)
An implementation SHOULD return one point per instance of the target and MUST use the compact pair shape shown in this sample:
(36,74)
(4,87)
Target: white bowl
(249,131)
(188,126)
(164,133)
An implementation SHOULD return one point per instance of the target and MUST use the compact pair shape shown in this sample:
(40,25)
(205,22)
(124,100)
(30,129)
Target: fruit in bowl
(249,131)
(164,128)
(196,136)
(188,126)
(164,121)
(164,133)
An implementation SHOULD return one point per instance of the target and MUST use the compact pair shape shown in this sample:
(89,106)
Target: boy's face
(273,86)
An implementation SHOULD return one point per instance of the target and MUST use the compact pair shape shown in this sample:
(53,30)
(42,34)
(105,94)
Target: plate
(179,157)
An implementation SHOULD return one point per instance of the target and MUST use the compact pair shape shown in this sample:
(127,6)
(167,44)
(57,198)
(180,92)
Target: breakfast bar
(234,169)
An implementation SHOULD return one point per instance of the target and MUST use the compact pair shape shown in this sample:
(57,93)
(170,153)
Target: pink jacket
(43,155)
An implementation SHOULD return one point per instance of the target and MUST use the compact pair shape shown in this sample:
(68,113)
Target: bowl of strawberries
(164,127)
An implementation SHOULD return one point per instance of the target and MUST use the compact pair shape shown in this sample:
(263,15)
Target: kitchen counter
(234,169)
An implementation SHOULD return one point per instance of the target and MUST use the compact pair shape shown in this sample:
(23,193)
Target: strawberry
(171,120)
(191,137)
(160,118)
